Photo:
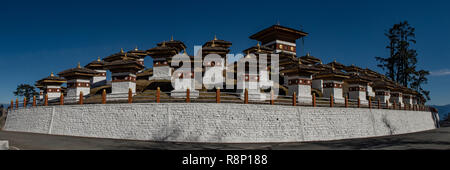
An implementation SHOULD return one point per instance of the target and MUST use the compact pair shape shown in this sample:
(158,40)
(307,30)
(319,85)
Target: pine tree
(25,90)
(401,64)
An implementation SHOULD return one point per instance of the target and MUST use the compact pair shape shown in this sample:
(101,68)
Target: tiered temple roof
(52,79)
(278,32)
(308,59)
(218,43)
(300,69)
(258,49)
(120,56)
(176,44)
(356,78)
(125,65)
(337,65)
(77,72)
(140,53)
(96,65)
(216,46)
(332,74)
(162,51)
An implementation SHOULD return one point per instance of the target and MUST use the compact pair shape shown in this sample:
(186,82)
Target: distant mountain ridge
(443,111)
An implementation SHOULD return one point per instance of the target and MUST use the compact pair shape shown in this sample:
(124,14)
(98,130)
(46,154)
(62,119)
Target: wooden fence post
(17,103)
(246,96)
(217,95)
(379,105)
(46,100)
(34,101)
(61,99)
(294,99)
(104,96)
(24,102)
(370,103)
(314,100)
(158,93)
(346,101)
(12,105)
(272,102)
(359,102)
(81,98)
(130,95)
(188,97)
(331,101)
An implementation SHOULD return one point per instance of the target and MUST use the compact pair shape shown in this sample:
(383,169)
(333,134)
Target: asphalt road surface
(434,139)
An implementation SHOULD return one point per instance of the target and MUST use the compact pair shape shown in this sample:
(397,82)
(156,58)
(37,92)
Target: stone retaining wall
(221,123)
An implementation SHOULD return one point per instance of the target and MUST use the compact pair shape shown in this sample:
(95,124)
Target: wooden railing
(213,97)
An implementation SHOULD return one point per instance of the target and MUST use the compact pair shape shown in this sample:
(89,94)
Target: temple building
(382,90)
(263,70)
(282,41)
(250,79)
(141,54)
(397,95)
(78,81)
(333,81)
(220,48)
(310,60)
(303,75)
(99,79)
(41,90)
(357,87)
(300,80)
(123,73)
(121,56)
(162,55)
(52,86)
(279,38)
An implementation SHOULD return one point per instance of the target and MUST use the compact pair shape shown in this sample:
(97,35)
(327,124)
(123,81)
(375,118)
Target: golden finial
(121,50)
(164,44)
(307,54)
(78,66)
(125,57)
(171,38)
(334,61)
(184,51)
(300,61)
(98,58)
(215,37)
(52,75)
(213,44)
(259,47)
(136,48)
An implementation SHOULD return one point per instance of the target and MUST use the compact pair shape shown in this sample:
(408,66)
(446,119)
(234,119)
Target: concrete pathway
(434,139)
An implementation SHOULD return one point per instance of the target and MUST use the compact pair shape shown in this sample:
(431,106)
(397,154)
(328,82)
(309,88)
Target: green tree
(25,90)
(401,64)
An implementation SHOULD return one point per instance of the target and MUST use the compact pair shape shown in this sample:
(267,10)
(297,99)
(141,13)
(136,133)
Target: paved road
(434,139)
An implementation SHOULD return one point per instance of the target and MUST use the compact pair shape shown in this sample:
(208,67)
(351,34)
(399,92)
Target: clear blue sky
(39,37)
